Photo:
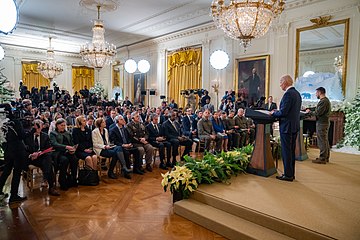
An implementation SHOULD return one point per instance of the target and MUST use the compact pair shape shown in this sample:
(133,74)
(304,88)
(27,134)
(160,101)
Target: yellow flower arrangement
(211,168)
(180,179)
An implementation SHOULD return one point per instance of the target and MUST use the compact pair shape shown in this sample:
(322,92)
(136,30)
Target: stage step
(261,219)
(223,223)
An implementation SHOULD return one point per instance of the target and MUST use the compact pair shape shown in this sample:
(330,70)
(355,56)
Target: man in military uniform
(247,133)
(139,138)
(206,131)
(230,126)
(322,113)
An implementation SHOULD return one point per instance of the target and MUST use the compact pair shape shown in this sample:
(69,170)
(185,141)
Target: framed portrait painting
(252,78)
(118,81)
(139,88)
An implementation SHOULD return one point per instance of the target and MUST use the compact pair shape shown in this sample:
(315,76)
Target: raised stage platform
(322,203)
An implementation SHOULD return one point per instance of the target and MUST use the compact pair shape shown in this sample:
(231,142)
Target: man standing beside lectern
(289,114)
(322,113)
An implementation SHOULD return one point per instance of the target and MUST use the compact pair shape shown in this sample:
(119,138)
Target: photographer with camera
(14,154)
(85,93)
(191,99)
(204,98)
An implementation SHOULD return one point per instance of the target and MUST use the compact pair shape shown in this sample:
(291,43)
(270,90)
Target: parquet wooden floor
(116,209)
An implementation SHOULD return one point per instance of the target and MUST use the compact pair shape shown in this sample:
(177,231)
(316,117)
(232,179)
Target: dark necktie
(174,125)
(36,143)
(123,135)
(156,128)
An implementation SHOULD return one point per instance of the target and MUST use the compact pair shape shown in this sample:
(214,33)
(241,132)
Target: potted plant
(180,181)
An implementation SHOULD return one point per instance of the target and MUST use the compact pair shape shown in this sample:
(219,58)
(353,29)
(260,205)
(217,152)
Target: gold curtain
(82,76)
(184,72)
(32,77)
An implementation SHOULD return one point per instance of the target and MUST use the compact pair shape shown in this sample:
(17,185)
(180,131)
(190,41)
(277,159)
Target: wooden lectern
(262,162)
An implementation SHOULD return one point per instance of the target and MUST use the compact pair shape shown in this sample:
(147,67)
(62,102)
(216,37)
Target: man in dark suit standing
(35,142)
(172,132)
(157,140)
(289,114)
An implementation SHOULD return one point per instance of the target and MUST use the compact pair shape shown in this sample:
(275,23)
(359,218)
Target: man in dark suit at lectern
(289,114)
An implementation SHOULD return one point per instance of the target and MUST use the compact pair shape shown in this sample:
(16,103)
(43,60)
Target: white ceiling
(133,21)
(322,38)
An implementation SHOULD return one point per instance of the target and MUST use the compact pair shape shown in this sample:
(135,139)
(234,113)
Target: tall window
(32,77)
(82,76)
(184,72)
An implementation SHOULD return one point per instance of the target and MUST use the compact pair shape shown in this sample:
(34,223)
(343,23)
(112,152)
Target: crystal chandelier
(338,64)
(245,20)
(50,68)
(98,53)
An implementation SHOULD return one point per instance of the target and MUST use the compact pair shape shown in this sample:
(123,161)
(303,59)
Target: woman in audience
(219,128)
(127,116)
(64,154)
(102,147)
(82,137)
(57,115)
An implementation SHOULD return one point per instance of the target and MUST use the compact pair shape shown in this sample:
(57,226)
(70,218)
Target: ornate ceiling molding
(322,51)
(141,21)
(174,21)
(325,12)
(205,28)
(300,3)
(37,51)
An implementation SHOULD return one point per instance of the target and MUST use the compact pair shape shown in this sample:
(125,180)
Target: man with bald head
(289,115)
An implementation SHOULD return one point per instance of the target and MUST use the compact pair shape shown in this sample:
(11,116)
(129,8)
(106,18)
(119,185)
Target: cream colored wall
(14,56)
(279,43)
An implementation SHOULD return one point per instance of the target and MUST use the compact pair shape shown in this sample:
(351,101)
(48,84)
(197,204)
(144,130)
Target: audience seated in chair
(245,128)
(103,148)
(173,134)
(37,141)
(231,130)
(64,154)
(219,129)
(120,137)
(82,138)
(158,140)
(139,138)
(206,132)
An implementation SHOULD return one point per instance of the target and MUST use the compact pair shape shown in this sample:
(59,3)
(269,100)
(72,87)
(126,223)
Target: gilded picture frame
(118,75)
(321,23)
(252,86)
